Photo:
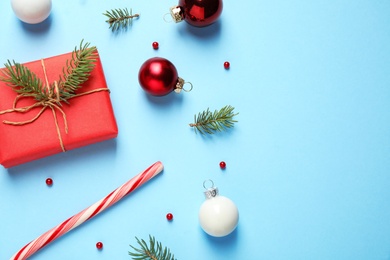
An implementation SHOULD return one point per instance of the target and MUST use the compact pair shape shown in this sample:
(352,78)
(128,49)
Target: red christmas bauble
(198,13)
(158,76)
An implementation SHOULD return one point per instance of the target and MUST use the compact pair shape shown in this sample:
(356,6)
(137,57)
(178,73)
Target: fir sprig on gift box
(77,71)
(23,81)
(153,251)
(120,18)
(208,122)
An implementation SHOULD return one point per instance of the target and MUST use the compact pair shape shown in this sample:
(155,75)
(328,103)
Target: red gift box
(90,118)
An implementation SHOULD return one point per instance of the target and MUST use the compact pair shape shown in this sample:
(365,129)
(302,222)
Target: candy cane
(89,212)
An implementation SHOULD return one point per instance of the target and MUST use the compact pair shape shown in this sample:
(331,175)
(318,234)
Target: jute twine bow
(53,102)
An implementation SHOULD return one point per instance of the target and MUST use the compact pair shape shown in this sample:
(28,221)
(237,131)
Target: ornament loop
(168,20)
(204,184)
(191,86)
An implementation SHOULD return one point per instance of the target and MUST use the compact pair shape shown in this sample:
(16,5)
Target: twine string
(44,72)
(27,121)
(18,97)
(58,129)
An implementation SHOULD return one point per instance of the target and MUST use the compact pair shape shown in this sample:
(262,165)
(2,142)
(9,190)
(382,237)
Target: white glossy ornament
(218,215)
(31,11)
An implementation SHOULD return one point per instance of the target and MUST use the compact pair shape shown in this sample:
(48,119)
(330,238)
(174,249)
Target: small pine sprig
(208,122)
(153,251)
(77,71)
(22,80)
(120,18)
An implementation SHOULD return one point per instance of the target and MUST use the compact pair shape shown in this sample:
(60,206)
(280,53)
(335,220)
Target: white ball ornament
(218,215)
(31,11)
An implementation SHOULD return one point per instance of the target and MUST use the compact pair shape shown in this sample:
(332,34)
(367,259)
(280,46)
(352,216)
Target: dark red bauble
(198,13)
(201,12)
(158,76)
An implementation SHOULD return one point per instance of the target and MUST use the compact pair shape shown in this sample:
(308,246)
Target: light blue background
(308,163)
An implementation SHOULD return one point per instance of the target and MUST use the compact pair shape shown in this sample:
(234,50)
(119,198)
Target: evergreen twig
(208,122)
(120,18)
(153,251)
(22,80)
(77,71)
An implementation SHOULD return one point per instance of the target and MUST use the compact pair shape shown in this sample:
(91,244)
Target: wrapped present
(31,129)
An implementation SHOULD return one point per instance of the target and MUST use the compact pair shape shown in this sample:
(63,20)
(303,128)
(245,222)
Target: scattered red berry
(226,65)
(99,245)
(222,165)
(169,216)
(49,181)
(155,45)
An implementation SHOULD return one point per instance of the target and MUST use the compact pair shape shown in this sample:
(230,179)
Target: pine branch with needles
(120,18)
(22,80)
(208,122)
(77,71)
(153,251)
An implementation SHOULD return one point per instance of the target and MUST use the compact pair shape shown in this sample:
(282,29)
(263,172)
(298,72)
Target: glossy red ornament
(155,45)
(158,77)
(226,64)
(198,13)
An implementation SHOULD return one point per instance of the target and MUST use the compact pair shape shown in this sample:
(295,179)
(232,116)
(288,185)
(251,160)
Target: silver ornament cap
(210,192)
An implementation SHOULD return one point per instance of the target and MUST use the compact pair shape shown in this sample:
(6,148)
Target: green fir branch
(120,18)
(22,80)
(77,71)
(153,251)
(208,122)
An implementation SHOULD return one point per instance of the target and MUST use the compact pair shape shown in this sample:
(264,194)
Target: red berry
(49,181)
(226,65)
(222,165)
(169,216)
(155,45)
(99,245)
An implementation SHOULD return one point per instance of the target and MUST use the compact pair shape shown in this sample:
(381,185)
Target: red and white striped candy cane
(89,212)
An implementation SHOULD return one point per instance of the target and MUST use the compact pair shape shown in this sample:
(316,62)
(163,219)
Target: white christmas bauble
(31,11)
(218,215)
